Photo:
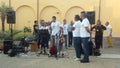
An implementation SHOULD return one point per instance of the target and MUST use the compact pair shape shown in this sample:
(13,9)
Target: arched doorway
(72,12)
(25,16)
(49,11)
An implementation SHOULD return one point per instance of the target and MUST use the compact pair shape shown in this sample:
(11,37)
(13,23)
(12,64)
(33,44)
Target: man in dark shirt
(35,26)
(99,28)
(35,32)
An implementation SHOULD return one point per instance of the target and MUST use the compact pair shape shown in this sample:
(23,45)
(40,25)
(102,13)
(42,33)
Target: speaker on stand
(91,17)
(11,19)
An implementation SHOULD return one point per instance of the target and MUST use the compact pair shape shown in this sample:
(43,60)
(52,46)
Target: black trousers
(70,38)
(99,41)
(44,41)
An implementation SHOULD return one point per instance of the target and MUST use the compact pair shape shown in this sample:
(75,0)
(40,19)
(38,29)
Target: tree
(3,12)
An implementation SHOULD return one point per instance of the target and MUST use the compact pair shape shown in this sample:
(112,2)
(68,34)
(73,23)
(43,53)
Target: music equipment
(91,17)
(34,47)
(8,44)
(11,17)
(53,50)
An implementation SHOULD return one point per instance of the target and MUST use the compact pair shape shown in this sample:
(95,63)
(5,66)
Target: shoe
(77,59)
(84,61)
(62,54)
(97,54)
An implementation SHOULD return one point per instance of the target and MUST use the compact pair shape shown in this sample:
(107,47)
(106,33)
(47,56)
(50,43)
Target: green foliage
(7,34)
(27,29)
(3,12)
(18,36)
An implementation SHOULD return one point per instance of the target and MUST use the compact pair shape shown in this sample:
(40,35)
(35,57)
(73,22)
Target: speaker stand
(11,31)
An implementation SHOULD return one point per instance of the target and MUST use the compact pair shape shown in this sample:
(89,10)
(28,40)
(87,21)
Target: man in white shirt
(85,36)
(65,32)
(109,34)
(76,37)
(55,27)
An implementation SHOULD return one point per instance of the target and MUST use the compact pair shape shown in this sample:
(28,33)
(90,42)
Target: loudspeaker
(91,17)
(11,17)
(8,44)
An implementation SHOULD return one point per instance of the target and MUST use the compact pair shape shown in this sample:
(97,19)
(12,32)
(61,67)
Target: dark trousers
(37,38)
(70,38)
(77,46)
(85,42)
(98,41)
(44,41)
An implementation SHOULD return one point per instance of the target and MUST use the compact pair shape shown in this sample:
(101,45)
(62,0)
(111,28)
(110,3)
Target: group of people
(56,31)
(78,32)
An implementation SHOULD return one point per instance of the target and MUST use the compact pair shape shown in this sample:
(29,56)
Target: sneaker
(97,54)
(84,61)
(77,59)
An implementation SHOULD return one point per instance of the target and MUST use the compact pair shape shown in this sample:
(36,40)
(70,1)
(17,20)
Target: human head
(83,14)
(71,23)
(42,22)
(64,21)
(54,18)
(77,17)
(35,22)
(98,22)
(107,23)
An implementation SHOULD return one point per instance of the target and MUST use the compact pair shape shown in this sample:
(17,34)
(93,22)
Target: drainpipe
(38,10)
(99,10)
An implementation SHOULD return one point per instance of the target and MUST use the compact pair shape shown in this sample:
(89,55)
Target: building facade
(29,10)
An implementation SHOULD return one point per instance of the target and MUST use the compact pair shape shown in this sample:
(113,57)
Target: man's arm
(87,29)
(93,28)
(103,27)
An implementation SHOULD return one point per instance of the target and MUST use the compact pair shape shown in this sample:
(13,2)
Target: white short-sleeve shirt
(65,29)
(83,32)
(109,28)
(76,32)
(55,27)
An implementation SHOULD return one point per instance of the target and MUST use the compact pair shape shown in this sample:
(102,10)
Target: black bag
(91,48)
(12,53)
(16,50)
(53,50)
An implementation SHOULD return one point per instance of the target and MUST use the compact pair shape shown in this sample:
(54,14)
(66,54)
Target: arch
(49,11)
(25,16)
(25,6)
(71,12)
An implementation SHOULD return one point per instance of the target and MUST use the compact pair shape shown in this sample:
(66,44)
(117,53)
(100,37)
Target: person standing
(99,29)
(55,27)
(44,38)
(109,34)
(85,36)
(35,32)
(39,34)
(70,34)
(76,37)
(65,32)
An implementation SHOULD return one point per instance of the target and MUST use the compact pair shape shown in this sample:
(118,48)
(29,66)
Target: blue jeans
(65,36)
(77,46)
(56,41)
(85,42)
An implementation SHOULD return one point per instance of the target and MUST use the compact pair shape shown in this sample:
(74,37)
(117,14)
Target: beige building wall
(26,11)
